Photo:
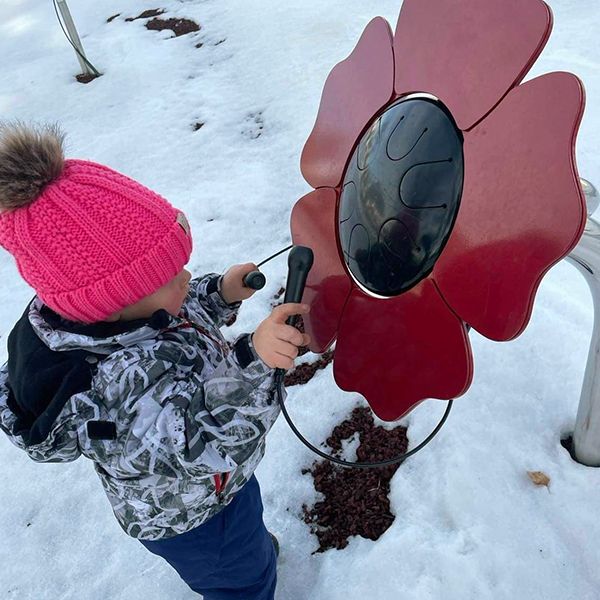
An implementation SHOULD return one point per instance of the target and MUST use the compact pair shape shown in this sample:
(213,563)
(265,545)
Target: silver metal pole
(72,31)
(586,257)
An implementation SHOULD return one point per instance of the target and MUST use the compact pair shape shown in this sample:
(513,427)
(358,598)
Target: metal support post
(72,31)
(586,257)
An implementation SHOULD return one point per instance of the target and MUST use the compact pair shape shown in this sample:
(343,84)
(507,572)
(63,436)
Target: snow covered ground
(469,523)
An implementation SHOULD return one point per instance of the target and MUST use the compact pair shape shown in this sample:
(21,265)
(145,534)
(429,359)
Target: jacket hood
(51,358)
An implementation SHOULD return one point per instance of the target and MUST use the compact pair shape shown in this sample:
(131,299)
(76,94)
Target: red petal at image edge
(522,207)
(468,53)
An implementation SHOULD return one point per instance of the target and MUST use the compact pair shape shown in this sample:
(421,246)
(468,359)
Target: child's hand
(276,342)
(232,286)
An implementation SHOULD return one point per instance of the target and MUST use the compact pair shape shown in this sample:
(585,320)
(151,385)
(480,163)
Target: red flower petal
(522,208)
(468,53)
(313,224)
(355,90)
(400,351)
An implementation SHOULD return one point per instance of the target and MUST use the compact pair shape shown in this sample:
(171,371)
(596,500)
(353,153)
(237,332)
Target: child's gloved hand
(232,286)
(276,342)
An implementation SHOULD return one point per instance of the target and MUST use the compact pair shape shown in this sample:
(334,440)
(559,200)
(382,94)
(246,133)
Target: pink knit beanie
(89,240)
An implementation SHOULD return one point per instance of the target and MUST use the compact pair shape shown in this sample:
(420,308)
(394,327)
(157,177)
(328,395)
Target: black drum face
(400,197)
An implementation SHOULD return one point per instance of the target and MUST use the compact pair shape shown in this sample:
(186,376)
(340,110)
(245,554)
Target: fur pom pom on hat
(89,240)
(29,160)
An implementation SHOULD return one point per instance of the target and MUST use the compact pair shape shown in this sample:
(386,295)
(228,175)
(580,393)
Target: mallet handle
(255,280)
(300,261)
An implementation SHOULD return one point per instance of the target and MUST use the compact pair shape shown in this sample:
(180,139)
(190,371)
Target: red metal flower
(444,191)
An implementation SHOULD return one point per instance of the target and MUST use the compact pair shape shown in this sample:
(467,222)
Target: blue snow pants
(231,556)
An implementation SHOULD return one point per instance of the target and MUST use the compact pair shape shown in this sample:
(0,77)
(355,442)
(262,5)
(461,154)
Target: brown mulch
(177,26)
(153,12)
(86,77)
(156,23)
(304,372)
(356,500)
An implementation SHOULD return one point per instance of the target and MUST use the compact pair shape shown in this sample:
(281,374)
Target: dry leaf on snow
(539,478)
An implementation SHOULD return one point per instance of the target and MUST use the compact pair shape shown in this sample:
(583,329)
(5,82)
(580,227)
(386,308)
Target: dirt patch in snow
(147,14)
(177,26)
(355,500)
(158,23)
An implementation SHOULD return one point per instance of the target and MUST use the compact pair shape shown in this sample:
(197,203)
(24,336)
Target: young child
(119,357)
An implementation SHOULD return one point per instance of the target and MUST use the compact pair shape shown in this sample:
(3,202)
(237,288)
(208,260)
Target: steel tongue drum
(444,190)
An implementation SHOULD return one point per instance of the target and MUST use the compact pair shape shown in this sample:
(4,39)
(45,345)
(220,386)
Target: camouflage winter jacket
(173,417)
